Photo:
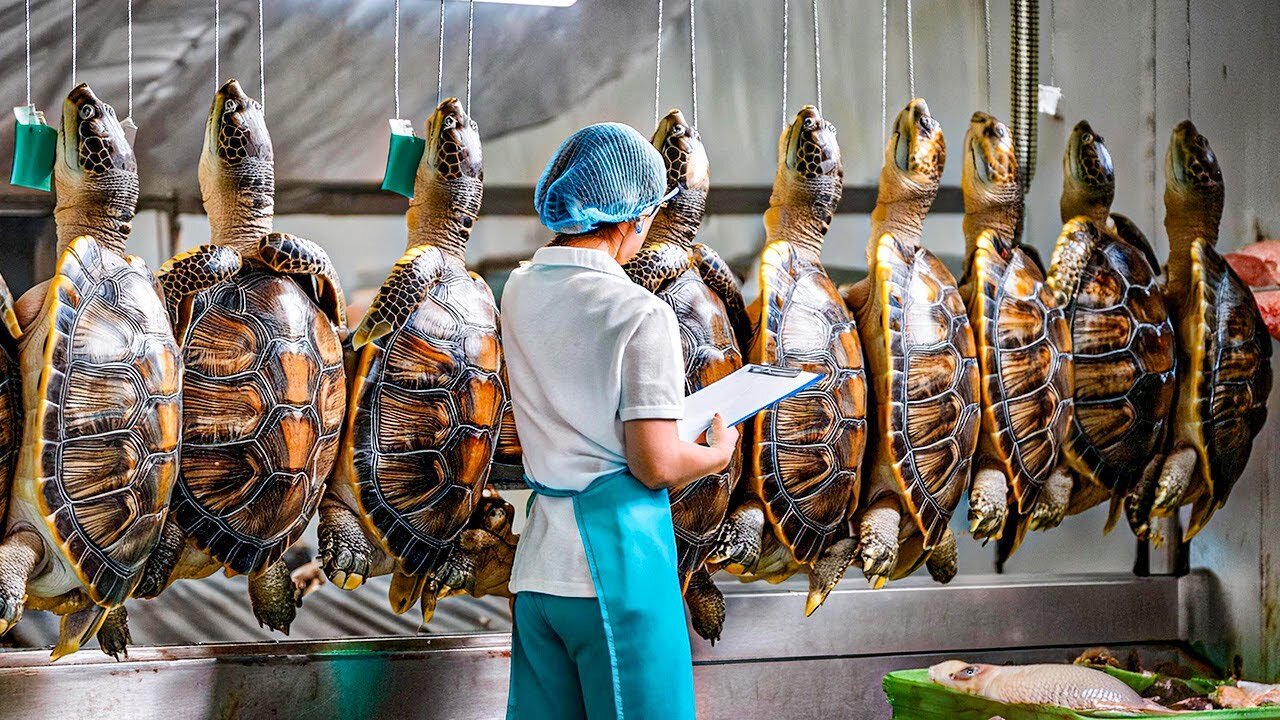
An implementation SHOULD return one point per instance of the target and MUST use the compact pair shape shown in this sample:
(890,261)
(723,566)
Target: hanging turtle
(804,454)
(1224,351)
(258,315)
(923,361)
(694,280)
(101,383)
(1104,273)
(1024,341)
(427,399)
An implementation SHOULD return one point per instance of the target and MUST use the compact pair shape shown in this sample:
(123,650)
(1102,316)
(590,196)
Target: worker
(597,384)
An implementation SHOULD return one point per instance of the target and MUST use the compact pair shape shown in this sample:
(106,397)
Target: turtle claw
(877,581)
(1050,508)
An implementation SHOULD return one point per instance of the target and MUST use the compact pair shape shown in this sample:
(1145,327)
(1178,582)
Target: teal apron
(631,549)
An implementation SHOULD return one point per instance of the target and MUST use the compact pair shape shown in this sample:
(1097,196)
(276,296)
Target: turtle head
(810,177)
(450,181)
(688,169)
(1193,190)
(913,161)
(957,674)
(237,166)
(96,172)
(490,544)
(992,196)
(1088,177)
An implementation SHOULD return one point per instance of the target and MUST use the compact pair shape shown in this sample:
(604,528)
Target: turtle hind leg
(113,636)
(274,597)
(942,562)
(20,553)
(1175,478)
(827,571)
(878,533)
(706,605)
(158,572)
(988,503)
(1139,498)
(76,629)
(741,536)
(345,552)
(1050,508)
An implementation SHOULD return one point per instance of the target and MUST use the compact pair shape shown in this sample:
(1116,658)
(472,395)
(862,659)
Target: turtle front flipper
(20,552)
(307,262)
(706,605)
(187,274)
(716,274)
(401,294)
(657,263)
(274,597)
(1070,259)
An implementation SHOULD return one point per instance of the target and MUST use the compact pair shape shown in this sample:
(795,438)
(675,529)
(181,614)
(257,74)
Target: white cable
(657,79)
(28,52)
(129,23)
(911,54)
(817,54)
(786,28)
(396,55)
(1053,64)
(217,42)
(262,60)
(471,29)
(986,39)
(74,42)
(693,57)
(440,72)
(884,70)
(1188,59)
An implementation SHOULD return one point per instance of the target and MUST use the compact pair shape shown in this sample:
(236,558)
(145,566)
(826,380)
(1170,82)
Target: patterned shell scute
(710,353)
(263,404)
(1123,352)
(111,415)
(808,448)
(426,410)
(931,386)
(1025,355)
(1230,362)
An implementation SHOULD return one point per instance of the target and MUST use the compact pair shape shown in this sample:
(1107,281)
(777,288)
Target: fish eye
(967,673)
(230,106)
(87,112)
(450,122)
(810,123)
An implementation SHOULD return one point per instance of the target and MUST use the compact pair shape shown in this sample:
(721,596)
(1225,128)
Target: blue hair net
(602,174)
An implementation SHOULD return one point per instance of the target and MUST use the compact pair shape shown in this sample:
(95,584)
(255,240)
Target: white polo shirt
(586,350)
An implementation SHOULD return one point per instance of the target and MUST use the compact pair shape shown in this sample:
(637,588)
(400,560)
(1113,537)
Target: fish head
(915,155)
(1193,188)
(682,152)
(962,676)
(990,176)
(93,144)
(237,147)
(1088,177)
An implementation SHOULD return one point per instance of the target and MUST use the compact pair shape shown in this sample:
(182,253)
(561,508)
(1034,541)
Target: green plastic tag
(403,157)
(35,147)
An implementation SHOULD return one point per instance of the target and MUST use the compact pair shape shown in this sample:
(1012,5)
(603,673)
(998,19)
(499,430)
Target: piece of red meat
(1258,264)
(1269,304)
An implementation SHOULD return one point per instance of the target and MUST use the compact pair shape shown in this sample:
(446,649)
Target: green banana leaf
(914,697)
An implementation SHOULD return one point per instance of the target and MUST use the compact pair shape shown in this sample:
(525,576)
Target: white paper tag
(130,130)
(28,115)
(1049,98)
(401,127)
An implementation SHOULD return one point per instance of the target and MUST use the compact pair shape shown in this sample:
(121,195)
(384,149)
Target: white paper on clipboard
(739,396)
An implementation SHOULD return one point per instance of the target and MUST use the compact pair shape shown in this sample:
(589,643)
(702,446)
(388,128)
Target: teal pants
(560,666)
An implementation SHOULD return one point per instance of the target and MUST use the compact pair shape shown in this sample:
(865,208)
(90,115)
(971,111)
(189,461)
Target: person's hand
(722,437)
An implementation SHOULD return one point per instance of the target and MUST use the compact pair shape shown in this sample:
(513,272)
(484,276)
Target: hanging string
(884,70)
(262,60)
(657,79)
(217,43)
(817,54)
(986,41)
(129,31)
(28,52)
(471,28)
(911,54)
(693,58)
(396,62)
(1188,59)
(1053,64)
(786,29)
(74,42)
(440,70)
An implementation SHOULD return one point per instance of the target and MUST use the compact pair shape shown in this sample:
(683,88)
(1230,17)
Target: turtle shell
(1226,352)
(10,395)
(263,401)
(710,353)
(425,411)
(1024,353)
(925,366)
(1123,355)
(103,402)
(807,449)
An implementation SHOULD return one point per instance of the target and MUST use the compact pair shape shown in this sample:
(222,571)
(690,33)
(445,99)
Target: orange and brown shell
(1024,353)
(927,414)
(426,408)
(1123,353)
(103,404)
(262,408)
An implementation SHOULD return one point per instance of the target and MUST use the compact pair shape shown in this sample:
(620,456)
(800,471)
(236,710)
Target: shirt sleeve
(653,370)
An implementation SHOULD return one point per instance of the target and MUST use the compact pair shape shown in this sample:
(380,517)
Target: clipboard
(740,395)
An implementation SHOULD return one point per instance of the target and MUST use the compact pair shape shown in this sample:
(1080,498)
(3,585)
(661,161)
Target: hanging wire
(471,31)
(786,29)
(217,43)
(884,70)
(262,60)
(396,61)
(986,41)
(911,53)
(817,54)
(440,71)
(693,58)
(129,27)
(1188,59)
(28,52)
(74,42)
(657,78)
(1053,64)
